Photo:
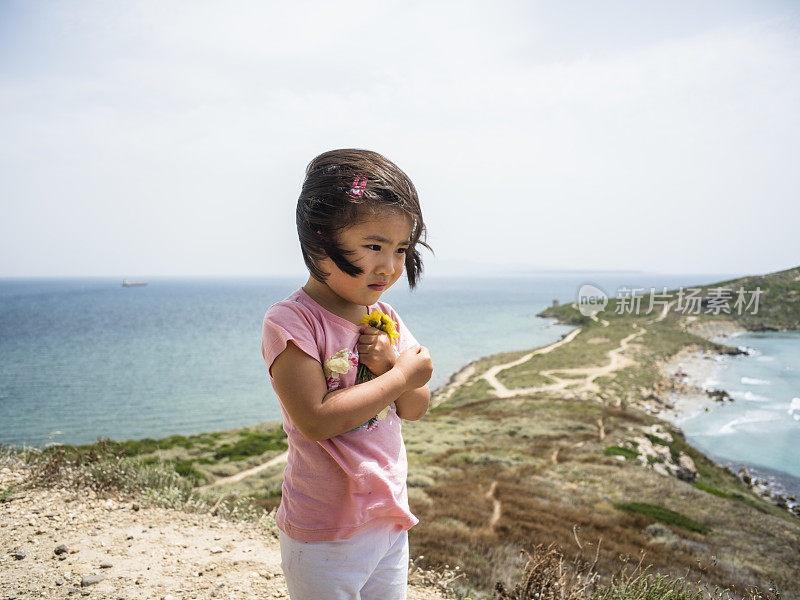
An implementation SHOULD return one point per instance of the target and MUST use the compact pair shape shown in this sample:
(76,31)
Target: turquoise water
(761,427)
(88,358)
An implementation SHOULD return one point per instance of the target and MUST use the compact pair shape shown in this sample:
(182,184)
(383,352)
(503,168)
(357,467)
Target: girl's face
(378,247)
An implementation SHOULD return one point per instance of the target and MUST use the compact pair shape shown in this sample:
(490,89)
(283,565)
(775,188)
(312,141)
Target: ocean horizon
(85,358)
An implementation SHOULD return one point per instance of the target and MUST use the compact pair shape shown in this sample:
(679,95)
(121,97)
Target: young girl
(344,512)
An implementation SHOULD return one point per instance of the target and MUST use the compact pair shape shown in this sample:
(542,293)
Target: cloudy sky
(162,138)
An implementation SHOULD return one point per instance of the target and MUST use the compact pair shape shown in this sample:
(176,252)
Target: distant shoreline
(698,368)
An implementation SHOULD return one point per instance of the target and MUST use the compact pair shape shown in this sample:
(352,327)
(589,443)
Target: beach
(703,405)
(689,371)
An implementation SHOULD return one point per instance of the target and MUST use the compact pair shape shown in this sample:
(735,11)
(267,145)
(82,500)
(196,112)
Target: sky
(166,138)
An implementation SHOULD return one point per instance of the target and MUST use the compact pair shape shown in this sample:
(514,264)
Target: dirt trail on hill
(112,549)
(618,359)
(501,390)
(281,458)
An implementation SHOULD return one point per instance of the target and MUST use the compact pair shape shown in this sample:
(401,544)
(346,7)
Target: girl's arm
(319,414)
(413,405)
(375,350)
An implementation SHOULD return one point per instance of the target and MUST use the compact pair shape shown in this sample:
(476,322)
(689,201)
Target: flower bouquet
(378,320)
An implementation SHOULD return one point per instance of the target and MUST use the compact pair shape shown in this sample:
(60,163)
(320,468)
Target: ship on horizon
(130,283)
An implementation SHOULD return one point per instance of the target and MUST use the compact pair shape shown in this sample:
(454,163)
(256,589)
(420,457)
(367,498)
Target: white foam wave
(765,358)
(745,422)
(710,384)
(794,407)
(748,395)
(754,381)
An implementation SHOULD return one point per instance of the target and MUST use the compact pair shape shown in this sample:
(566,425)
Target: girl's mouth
(378,287)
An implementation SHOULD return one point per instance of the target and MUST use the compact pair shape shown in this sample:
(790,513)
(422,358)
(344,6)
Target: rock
(135,506)
(744,475)
(780,500)
(73,590)
(59,582)
(695,546)
(61,549)
(686,469)
(660,469)
(18,554)
(719,395)
(88,580)
(664,536)
(106,565)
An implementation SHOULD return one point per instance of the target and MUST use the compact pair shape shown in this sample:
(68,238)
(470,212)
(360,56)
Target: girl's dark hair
(332,199)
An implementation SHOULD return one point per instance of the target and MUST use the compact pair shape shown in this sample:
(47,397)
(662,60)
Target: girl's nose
(386,266)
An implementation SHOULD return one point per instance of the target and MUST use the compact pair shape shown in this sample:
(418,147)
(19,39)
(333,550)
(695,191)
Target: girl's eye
(375,247)
(402,250)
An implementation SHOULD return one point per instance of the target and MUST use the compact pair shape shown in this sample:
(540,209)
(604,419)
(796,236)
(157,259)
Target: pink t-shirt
(336,488)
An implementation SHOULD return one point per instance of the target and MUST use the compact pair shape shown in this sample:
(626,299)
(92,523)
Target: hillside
(561,444)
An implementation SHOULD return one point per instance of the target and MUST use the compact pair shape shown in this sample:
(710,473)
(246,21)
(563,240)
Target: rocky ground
(58,543)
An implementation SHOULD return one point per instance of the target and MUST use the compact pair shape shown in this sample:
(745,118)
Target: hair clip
(359,186)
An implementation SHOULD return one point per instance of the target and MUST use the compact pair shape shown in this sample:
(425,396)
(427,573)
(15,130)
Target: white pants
(372,565)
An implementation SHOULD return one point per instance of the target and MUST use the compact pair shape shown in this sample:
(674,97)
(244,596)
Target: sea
(85,358)
(760,428)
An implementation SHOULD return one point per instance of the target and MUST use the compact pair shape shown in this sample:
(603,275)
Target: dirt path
(618,359)
(491,495)
(131,552)
(249,472)
(457,381)
(501,390)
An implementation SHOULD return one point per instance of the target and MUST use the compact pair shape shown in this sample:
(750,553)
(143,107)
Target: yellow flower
(378,320)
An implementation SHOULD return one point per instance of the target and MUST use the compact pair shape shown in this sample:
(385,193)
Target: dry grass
(461,451)
(105,469)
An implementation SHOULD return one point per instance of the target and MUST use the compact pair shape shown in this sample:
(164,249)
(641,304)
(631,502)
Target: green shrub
(647,587)
(253,444)
(656,440)
(700,485)
(621,451)
(665,515)
(185,468)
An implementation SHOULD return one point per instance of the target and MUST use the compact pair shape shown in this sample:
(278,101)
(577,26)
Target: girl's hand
(416,366)
(375,350)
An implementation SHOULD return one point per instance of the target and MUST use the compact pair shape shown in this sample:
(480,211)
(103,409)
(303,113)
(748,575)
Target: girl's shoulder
(291,310)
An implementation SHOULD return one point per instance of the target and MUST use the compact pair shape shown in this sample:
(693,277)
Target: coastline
(690,373)
(678,398)
(560,440)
